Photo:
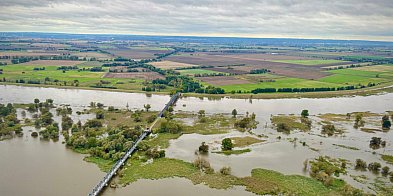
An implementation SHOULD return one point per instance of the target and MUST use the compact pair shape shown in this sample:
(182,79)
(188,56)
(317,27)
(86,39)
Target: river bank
(383,88)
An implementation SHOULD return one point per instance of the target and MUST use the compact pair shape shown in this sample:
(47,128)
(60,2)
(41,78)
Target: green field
(309,62)
(356,76)
(339,78)
(196,71)
(85,78)
(280,83)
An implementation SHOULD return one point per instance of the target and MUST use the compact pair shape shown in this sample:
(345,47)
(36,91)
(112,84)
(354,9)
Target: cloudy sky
(345,19)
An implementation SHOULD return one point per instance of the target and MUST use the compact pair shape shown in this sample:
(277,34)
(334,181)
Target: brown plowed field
(285,69)
(136,53)
(53,63)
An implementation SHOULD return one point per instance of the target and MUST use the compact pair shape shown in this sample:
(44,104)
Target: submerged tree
(304,113)
(386,124)
(234,113)
(203,148)
(147,107)
(226,144)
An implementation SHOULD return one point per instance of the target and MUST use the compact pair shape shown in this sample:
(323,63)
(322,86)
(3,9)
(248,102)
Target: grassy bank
(261,181)
(383,88)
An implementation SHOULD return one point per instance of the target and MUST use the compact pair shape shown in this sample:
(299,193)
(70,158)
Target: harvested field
(100,56)
(314,62)
(12,53)
(285,69)
(223,80)
(136,53)
(135,75)
(227,70)
(170,65)
(377,68)
(125,68)
(53,63)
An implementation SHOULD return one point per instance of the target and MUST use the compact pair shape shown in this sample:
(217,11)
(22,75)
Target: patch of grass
(212,124)
(103,164)
(387,158)
(264,181)
(162,139)
(347,147)
(292,122)
(122,117)
(158,169)
(334,117)
(244,141)
(235,152)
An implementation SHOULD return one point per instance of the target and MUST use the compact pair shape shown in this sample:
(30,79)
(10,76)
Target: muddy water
(29,166)
(76,97)
(33,167)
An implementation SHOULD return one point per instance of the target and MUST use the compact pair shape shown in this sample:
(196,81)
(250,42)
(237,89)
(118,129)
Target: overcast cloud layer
(346,19)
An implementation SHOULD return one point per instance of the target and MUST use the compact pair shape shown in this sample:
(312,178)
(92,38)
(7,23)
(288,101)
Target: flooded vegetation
(241,150)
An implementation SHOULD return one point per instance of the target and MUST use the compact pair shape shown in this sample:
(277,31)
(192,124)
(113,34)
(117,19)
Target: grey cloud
(361,19)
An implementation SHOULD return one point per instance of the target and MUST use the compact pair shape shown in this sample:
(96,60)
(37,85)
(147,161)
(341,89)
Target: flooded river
(33,167)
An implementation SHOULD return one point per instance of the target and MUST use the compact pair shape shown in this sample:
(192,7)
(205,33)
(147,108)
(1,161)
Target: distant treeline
(66,68)
(294,90)
(213,74)
(21,59)
(374,59)
(259,71)
(194,67)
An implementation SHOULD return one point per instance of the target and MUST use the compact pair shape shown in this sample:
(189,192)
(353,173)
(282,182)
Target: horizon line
(202,36)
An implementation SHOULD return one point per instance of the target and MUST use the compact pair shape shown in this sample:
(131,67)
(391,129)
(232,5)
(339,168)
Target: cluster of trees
(183,83)
(247,123)
(95,69)
(67,68)
(347,67)
(329,129)
(211,74)
(194,67)
(39,68)
(3,63)
(103,84)
(374,167)
(130,64)
(9,124)
(373,59)
(24,59)
(322,169)
(273,90)
(47,80)
(259,71)
(376,143)
(226,144)
(89,138)
(210,90)
(170,126)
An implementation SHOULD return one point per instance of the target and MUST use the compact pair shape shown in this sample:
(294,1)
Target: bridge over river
(105,181)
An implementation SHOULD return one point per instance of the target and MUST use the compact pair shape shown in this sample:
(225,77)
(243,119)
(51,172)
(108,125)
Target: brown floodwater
(30,166)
